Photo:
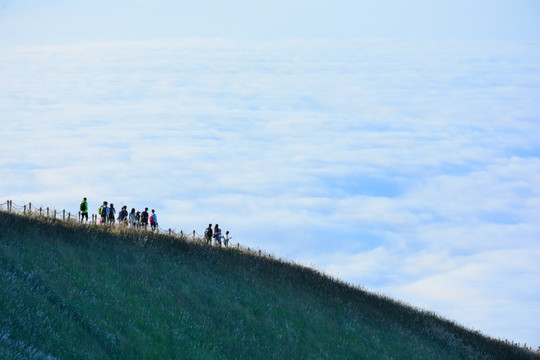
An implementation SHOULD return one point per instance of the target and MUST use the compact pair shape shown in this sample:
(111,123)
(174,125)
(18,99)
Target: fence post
(47,211)
(64,215)
(54,212)
(24,209)
(29,207)
(69,216)
(40,211)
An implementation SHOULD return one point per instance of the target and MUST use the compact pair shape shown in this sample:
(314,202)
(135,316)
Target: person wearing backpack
(84,210)
(153,220)
(208,234)
(104,212)
(112,212)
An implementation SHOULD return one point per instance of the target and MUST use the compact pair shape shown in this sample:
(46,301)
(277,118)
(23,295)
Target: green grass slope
(86,292)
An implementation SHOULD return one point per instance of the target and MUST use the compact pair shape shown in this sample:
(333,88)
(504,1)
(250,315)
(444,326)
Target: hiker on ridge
(153,220)
(217,234)
(112,212)
(132,218)
(138,218)
(144,218)
(226,239)
(104,213)
(123,216)
(208,234)
(84,210)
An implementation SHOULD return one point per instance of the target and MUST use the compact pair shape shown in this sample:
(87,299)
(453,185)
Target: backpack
(104,211)
(83,206)
(151,219)
(99,210)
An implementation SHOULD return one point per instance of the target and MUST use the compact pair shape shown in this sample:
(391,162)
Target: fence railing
(93,219)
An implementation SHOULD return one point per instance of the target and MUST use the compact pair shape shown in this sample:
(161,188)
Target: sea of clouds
(409,168)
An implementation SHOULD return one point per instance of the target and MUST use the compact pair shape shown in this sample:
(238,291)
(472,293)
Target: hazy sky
(72,21)
(395,145)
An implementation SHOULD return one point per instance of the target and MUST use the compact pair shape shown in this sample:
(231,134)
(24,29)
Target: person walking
(104,213)
(84,210)
(217,235)
(208,234)
(144,218)
(226,239)
(123,216)
(112,212)
(138,219)
(132,218)
(153,221)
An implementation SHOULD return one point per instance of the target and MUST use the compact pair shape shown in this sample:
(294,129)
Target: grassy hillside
(86,292)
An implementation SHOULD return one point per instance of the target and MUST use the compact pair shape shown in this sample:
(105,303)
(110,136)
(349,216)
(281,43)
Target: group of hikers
(215,234)
(134,219)
(141,220)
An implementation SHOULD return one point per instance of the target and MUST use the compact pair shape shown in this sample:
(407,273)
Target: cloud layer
(411,168)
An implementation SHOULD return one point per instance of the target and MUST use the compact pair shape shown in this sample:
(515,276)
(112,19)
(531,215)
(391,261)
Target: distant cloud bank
(411,168)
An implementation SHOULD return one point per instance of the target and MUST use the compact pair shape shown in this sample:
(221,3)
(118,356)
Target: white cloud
(405,167)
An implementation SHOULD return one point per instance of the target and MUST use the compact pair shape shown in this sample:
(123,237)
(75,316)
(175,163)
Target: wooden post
(40,211)
(29,207)
(47,212)
(24,209)
(54,213)
(69,216)
(64,215)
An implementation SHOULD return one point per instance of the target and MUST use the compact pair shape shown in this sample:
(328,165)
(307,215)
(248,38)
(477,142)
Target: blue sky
(63,21)
(394,146)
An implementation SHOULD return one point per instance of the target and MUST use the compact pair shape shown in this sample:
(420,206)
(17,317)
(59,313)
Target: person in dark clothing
(208,234)
(144,218)
(112,213)
(123,216)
